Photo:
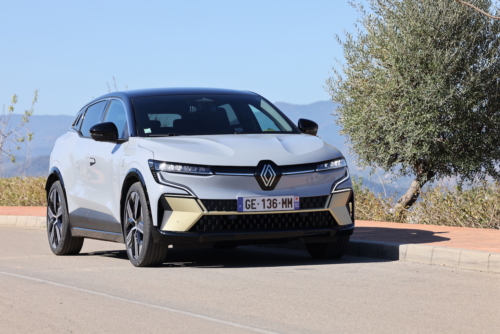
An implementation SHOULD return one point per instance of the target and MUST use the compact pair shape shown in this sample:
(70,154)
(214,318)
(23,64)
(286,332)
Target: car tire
(142,251)
(328,250)
(58,230)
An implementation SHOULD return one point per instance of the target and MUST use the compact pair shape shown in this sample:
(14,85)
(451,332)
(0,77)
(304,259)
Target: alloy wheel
(135,225)
(55,213)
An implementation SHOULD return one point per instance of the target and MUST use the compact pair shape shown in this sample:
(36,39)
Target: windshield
(207,115)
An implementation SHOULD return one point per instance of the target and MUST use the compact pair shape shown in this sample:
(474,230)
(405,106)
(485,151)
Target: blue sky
(283,50)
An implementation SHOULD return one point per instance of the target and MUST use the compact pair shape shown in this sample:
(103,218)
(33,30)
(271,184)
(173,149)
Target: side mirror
(308,127)
(104,132)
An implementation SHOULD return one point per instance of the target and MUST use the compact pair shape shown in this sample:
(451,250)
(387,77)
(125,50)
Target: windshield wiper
(163,134)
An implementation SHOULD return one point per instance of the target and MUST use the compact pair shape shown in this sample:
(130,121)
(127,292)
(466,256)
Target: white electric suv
(184,166)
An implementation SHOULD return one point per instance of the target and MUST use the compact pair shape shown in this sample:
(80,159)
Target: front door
(105,166)
(77,172)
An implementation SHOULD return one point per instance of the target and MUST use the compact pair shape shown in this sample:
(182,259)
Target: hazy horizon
(70,51)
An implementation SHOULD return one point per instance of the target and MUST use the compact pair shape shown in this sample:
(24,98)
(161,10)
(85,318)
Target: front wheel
(329,250)
(141,249)
(60,240)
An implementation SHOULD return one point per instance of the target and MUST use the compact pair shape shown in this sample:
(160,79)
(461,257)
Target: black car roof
(174,91)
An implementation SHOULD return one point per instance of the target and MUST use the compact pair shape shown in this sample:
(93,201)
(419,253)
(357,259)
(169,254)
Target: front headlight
(162,166)
(334,164)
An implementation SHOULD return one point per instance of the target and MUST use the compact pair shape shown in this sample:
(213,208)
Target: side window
(266,124)
(116,114)
(271,111)
(92,117)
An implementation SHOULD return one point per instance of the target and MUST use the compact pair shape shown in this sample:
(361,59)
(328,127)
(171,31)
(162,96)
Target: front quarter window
(116,114)
(92,117)
(77,122)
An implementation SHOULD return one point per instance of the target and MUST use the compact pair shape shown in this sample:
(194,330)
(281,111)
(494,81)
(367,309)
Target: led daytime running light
(161,166)
(334,164)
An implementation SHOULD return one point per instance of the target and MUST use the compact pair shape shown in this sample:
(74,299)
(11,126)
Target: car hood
(240,149)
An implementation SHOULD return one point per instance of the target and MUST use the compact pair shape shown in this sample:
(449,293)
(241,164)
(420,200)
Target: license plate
(268,203)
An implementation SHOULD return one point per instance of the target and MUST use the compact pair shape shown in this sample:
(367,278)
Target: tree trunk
(412,194)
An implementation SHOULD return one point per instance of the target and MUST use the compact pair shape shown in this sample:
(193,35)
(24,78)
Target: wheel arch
(54,175)
(133,175)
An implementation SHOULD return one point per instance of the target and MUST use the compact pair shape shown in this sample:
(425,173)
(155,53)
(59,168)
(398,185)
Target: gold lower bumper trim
(187,211)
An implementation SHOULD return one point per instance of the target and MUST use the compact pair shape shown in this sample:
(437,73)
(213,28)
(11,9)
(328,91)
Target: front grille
(313,202)
(251,170)
(265,222)
(220,204)
(224,205)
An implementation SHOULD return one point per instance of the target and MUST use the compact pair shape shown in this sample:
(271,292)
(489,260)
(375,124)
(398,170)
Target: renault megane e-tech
(183,166)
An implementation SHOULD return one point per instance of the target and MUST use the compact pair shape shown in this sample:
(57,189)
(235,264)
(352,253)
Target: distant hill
(37,166)
(47,129)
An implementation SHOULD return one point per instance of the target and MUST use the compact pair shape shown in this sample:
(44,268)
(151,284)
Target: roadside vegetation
(477,206)
(418,93)
(22,191)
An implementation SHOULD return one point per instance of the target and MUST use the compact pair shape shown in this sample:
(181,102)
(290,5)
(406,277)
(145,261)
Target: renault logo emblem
(267,175)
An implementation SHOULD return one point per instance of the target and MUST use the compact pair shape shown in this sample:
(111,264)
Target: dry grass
(27,191)
(477,206)
(371,206)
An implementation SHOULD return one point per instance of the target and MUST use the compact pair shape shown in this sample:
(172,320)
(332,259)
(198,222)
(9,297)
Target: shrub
(477,206)
(22,191)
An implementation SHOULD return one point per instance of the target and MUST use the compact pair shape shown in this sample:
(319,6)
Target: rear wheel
(58,231)
(141,249)
(329,250)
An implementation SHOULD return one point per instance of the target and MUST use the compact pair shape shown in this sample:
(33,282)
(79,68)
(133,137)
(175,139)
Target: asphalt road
(249,289)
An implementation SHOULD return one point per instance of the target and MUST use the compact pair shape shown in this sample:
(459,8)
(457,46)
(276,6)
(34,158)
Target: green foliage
(420,90)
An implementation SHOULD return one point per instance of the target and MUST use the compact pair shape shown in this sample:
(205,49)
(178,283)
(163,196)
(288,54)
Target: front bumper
(189,220)
(249,237)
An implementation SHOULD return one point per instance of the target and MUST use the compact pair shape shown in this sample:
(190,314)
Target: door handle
(92,161)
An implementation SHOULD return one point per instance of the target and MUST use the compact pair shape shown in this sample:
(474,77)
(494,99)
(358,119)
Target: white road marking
(168,309)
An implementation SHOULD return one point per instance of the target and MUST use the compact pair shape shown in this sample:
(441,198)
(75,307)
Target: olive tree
(11,135)
(420,91)
(478,9)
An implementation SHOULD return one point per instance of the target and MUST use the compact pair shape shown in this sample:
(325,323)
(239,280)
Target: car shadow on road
(398,235)
(241,257)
